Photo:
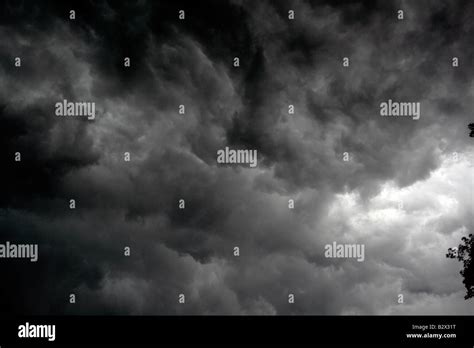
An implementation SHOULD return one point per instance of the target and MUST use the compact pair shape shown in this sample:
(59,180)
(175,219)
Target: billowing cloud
(405,192)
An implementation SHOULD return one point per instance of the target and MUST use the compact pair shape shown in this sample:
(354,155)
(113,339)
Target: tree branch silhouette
(463,253)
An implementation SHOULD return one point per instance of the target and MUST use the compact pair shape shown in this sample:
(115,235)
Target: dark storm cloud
(392,62)
(173,156)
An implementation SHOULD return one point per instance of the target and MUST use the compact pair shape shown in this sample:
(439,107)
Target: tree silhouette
(471,127)
(463,253)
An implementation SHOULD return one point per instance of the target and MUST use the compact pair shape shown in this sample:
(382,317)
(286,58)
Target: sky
(406,192)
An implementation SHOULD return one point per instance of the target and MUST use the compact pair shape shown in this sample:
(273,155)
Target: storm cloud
(405,192)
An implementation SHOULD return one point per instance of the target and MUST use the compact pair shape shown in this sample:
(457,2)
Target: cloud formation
(426,164)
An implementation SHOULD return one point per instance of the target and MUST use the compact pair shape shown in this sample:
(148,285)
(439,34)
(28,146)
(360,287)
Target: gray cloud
(173,156)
